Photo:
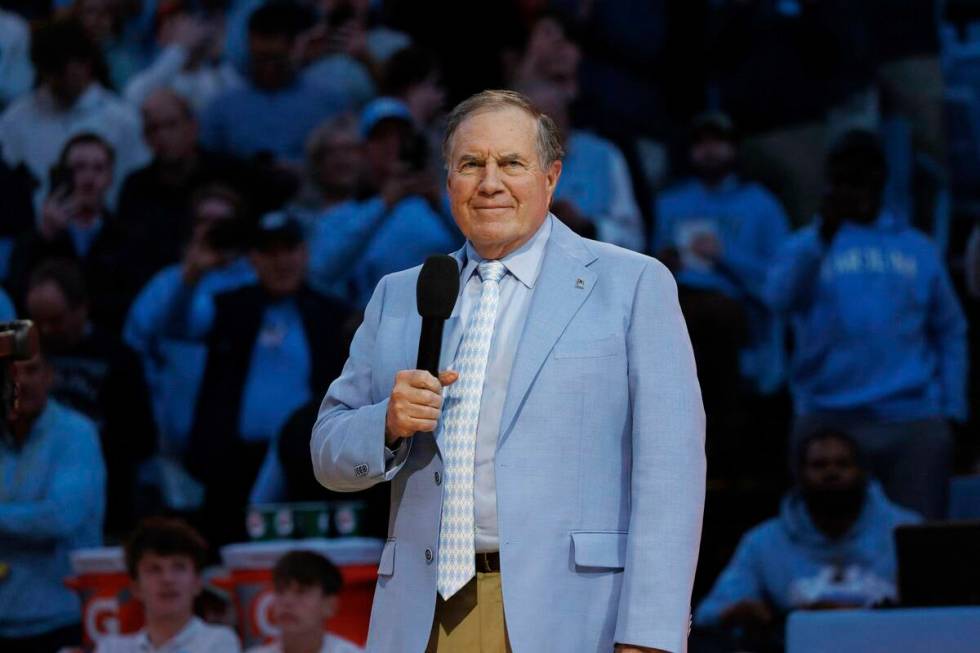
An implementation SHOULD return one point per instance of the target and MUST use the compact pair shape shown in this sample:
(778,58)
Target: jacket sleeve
(739,581)
(348,445)
(668,470)
(792,279)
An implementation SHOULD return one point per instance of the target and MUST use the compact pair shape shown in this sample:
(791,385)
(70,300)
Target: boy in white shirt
(306,587)
(164,558)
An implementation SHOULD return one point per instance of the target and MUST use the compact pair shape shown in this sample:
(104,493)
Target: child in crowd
(164,558)
(306,586)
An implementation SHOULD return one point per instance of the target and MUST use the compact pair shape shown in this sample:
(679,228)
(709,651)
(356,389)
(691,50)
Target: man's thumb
(448,377)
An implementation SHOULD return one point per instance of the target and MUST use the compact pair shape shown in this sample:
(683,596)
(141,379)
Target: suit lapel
(561,288)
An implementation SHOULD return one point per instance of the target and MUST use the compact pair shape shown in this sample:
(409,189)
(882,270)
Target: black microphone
(435,296)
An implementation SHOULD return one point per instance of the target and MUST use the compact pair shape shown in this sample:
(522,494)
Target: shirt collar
(182,638)
(524,262)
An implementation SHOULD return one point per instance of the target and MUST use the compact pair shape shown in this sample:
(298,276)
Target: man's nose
(490,183)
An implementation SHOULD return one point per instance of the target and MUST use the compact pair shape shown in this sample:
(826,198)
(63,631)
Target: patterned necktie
(460,419)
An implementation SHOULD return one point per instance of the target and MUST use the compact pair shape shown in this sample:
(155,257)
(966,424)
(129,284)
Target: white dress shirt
(196,637)
(516,288)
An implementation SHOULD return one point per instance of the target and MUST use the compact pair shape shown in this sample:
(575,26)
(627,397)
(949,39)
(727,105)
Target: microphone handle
(430,345)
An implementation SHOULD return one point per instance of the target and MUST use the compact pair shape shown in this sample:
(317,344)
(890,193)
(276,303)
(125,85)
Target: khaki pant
(472,620)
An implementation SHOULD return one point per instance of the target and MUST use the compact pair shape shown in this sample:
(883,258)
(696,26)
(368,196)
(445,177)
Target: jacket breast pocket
(596,348)
(386,567)
(599,549)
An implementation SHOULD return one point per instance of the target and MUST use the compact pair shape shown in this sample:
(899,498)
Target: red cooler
(108,606)
(250,568)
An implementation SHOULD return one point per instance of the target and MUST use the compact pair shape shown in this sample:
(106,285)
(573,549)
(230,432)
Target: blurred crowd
(199,197)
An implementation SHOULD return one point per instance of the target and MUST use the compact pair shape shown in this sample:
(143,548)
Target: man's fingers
(418,379)
(448,377)
(423,412)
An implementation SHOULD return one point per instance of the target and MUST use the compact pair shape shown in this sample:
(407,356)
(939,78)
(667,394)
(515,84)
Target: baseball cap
(277,228)
(383,108)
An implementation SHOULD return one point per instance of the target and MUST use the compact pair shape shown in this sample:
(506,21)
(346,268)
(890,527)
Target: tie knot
(492,270)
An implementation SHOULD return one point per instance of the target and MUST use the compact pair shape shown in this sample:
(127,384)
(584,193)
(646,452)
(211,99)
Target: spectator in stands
(155,200)
(272,346)
(595,194)
(174,366)
(76,224)
(51,503)
(94,375)
(412,75)
(880,338)
(831,546)
(70,98)
(719,234)
(103,20)
(551,55)
(190,63)
(334,169)
(164,558)
(249,121)
(306,586)
(790,74)
(16,73)
(397,226)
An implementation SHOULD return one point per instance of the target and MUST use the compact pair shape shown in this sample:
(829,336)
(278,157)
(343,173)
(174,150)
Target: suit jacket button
(438,478)
(428,555)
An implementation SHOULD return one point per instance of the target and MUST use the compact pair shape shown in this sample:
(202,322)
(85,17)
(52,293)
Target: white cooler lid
(341,551)
(98,560)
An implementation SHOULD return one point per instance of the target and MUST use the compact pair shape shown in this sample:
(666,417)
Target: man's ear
(551,176)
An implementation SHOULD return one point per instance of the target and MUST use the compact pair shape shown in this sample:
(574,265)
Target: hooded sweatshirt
(879,333)
(788,563)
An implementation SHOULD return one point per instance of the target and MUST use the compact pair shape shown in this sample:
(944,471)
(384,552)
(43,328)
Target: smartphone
(62,179)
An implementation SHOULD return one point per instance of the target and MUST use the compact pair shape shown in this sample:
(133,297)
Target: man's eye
(469,165)
(513,164)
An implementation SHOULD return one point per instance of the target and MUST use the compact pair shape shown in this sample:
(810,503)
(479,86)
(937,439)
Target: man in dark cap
(272,346)
(718,234)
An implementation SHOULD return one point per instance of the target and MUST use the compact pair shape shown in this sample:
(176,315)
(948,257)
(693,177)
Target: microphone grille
(438,287)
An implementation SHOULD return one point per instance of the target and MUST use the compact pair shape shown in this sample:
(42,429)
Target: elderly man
(518,493)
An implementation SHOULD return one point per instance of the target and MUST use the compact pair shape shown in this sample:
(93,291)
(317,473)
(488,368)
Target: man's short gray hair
(549,138)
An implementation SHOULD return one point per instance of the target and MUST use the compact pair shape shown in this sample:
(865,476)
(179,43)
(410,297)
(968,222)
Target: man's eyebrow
(510,156)
(467,158)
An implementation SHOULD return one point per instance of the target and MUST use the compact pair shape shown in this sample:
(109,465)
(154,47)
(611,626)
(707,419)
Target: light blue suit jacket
(599,467)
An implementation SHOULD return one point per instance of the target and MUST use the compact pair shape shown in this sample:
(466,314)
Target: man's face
(712,157)
(91,170)
(498,190)
(61,325)
(169,131)
(342,162)
(68,84)
(34,378)
(831,480)
(281,269)
(302,609)
(383,146)
(271,60)
(167,585)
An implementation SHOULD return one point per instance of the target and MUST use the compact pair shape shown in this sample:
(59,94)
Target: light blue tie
(460,419)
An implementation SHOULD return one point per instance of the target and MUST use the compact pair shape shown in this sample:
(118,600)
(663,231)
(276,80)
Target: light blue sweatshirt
(52,500)
(788,563)
(879,332)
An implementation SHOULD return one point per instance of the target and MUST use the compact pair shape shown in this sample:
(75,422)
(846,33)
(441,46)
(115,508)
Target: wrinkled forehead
(495,130)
